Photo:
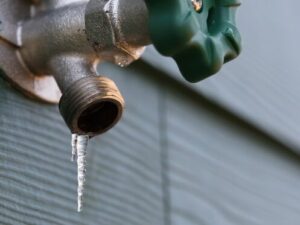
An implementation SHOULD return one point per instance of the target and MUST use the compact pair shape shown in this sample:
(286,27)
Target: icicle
(74,147)
(82,143)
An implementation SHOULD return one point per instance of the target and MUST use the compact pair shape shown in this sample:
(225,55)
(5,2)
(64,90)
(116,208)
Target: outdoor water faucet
(49,49)
(66,39)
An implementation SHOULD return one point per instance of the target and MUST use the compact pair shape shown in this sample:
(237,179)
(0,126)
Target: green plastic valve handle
(201,35)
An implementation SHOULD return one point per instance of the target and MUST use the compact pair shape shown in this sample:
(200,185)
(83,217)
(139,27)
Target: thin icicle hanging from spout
(74,147)
(82,143)
(79,149)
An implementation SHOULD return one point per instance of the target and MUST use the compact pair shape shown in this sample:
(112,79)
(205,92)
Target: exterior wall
(175,158)
(38,183)
(224,172)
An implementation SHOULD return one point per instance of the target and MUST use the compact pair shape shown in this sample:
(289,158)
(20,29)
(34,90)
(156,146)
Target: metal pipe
(124,29)
(115,31)
(54,33)
(67,69)
(69,41)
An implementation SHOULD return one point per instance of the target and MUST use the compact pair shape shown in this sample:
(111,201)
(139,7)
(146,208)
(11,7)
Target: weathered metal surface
(123,26)
(88,30)
(57,36)
(43,88)
(67,39)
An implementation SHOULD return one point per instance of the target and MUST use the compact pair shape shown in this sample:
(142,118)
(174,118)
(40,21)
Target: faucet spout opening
(98,117)
(92,105)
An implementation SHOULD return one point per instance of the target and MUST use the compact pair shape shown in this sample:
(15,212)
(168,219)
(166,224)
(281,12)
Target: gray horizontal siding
(223,172)
(38,181)
(174,159)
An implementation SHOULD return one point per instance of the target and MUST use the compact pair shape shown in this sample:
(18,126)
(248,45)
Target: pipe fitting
(200,37)
(67,41)
(119,42)
(91,106)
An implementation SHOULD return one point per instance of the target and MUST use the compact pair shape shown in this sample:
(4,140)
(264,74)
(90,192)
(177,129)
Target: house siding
(174,159)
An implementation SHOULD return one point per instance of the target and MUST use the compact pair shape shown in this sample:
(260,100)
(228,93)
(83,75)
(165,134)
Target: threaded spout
(91,105)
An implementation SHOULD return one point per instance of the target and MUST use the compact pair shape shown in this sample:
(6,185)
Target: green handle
(200,41)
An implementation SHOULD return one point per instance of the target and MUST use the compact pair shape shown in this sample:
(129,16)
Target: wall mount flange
(41,88)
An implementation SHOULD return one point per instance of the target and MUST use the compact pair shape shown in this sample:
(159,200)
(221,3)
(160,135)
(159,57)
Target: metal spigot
(69,40)
(49,49)
(50,37)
